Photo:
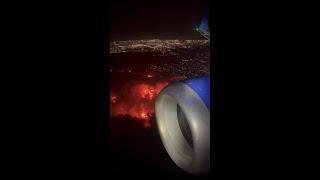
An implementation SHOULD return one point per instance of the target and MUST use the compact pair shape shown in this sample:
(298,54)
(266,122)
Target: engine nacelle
(183,119)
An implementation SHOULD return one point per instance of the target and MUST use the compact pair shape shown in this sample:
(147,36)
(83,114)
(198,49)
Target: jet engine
(183,120)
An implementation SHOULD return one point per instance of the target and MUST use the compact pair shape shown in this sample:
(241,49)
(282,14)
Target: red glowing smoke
(137,101)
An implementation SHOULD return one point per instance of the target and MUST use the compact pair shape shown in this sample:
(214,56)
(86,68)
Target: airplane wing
(203,29)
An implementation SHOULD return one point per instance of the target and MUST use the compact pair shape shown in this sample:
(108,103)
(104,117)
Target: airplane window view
(160,88)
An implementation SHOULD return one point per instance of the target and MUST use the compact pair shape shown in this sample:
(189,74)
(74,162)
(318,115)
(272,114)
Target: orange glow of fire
(113,99)
(143,116)
(148,92)
(137,102)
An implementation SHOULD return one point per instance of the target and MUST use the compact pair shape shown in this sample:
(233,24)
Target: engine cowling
(183,120)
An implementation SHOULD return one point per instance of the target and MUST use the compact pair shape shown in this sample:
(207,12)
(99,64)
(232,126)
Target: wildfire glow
(113,99)
(137,102)
(144,116)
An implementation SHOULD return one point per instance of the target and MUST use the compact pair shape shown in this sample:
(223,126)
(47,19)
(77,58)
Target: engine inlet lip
(194,160)
(184,125)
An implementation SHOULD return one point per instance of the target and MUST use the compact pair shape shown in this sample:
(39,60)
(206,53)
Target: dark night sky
(137,19)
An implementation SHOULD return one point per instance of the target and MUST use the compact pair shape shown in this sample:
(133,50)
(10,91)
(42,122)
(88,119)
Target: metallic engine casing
(196,159)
